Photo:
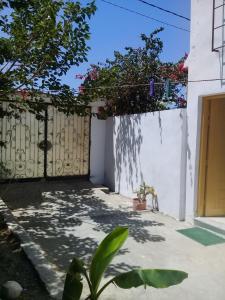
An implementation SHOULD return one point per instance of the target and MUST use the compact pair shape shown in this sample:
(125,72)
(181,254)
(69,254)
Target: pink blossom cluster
(81,89)
(24,94)
(93,74)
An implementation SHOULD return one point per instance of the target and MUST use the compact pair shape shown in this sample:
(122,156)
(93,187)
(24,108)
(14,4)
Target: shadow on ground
(68,219)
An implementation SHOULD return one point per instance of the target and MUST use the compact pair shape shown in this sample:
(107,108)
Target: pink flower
(182,68)
(173,77)
(93,75)
(81,89)
(24,94)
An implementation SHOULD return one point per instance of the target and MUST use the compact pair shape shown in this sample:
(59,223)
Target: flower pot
(139,205)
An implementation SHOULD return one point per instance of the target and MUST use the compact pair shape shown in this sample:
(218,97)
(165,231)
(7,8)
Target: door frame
(203,151)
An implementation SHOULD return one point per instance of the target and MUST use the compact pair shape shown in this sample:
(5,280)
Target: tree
(124,81)
(40,41)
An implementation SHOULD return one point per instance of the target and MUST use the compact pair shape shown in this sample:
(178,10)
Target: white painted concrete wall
(97,150)
(203,64)
(110,168)
(151,148)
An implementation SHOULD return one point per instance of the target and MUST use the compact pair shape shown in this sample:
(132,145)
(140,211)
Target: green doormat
(202,236)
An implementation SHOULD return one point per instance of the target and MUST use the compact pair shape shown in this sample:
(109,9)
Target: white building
(205,176)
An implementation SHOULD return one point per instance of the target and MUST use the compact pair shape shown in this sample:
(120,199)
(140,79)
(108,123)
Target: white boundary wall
(97,147)
(148,147)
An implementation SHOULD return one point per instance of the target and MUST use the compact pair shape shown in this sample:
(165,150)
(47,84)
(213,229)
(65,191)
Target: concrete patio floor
(69,218)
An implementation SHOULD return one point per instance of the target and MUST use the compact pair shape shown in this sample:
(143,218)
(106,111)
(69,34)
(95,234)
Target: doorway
(211,192)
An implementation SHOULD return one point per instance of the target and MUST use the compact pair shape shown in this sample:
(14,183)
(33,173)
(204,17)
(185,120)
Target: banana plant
(101,259)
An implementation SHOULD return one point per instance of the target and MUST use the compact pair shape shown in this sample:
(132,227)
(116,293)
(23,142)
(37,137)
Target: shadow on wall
(189,158)
(128,143)
(127,149)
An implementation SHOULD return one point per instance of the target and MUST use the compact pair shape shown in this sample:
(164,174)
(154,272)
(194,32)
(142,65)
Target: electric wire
(136,85)
(165,10)
(156,83)
(145,16)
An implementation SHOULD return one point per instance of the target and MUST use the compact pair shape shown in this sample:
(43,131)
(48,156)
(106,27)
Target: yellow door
(214,202)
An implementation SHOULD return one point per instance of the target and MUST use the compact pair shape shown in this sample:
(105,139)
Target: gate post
(46,143)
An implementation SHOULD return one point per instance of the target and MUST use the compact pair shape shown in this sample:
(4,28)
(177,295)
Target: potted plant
(140,202)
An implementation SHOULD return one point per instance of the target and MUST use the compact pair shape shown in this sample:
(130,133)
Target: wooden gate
(55,146)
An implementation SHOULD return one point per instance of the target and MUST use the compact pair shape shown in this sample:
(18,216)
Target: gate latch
(43,145)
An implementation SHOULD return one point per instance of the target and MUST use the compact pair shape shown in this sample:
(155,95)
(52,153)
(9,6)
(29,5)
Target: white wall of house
(151,148)
(202,64)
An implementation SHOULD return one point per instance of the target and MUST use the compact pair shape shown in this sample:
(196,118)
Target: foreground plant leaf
(149,277)
(73,286)
(105,253)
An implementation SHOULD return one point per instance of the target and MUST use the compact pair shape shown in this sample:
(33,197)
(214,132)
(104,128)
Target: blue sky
(113,29)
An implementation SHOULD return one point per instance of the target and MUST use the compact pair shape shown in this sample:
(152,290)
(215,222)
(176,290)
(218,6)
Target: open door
(211,198)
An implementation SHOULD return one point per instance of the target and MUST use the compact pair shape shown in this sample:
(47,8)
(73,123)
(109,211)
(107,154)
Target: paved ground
(70,218)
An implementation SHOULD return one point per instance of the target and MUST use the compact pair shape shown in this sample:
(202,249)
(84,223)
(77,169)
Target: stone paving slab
(70,219)
(48,273)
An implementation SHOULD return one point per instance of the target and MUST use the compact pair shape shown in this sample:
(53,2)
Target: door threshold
(216,224)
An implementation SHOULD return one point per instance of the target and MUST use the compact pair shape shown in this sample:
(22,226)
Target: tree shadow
(127,149)
(68,219)
(127,131)
(116,269)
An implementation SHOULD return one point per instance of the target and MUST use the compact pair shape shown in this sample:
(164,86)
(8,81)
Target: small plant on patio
(101,259)
(139,203)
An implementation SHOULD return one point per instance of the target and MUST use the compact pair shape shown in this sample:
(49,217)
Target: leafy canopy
(124,81)
(40,41)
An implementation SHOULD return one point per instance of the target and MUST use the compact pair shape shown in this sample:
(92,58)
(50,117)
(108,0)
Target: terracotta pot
(139,205)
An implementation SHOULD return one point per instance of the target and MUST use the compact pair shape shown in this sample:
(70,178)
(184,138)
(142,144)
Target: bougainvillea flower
(81,89)
(24,94)
(173,77)
(182,67)
(93,74)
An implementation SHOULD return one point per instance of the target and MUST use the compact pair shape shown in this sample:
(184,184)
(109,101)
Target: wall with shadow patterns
(148,148)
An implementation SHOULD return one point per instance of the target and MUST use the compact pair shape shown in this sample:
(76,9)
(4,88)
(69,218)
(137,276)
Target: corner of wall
(97,150)
(183,168)
(109,164)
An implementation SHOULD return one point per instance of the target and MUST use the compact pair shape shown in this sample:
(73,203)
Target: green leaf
(147,277)
(105,253)
(73,286)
